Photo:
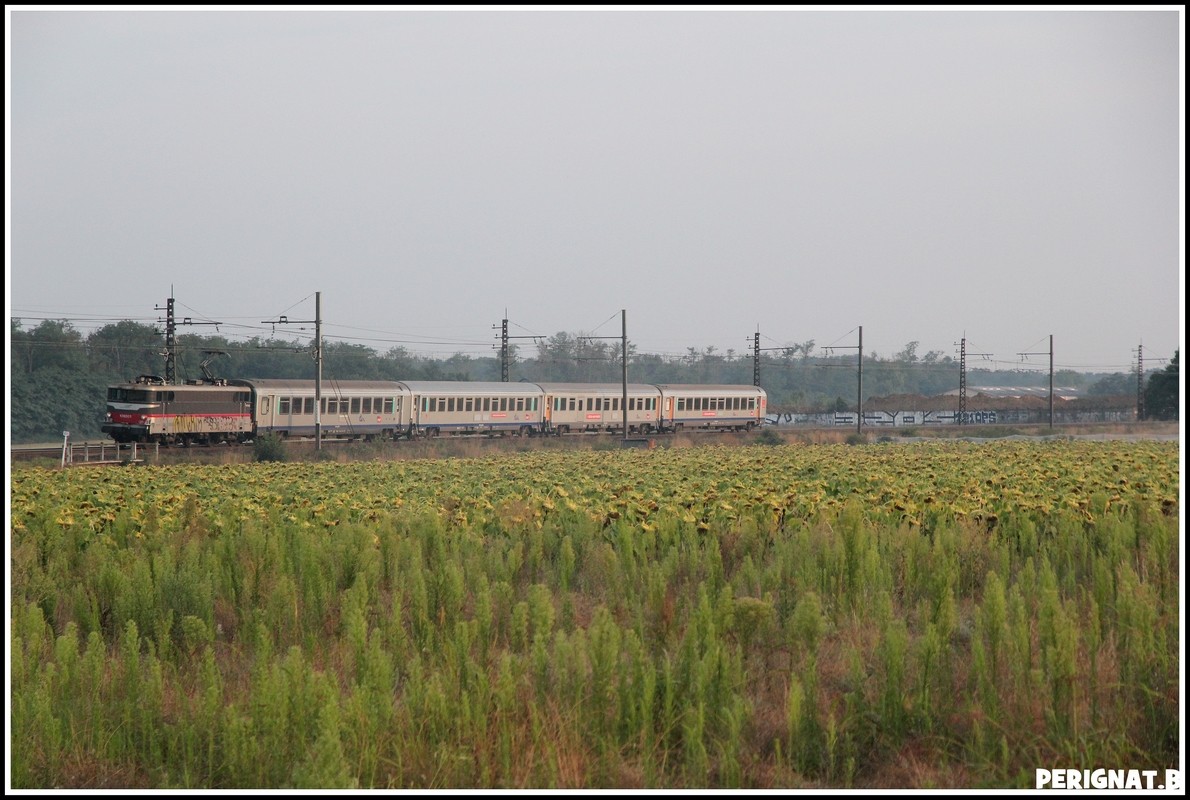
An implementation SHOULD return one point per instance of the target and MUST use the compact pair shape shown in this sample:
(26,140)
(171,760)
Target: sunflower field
(909,615)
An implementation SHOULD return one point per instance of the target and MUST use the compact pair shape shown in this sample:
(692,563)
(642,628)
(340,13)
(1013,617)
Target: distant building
(1063,392)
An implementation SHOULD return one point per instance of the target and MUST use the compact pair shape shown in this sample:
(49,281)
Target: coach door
(264,411)
(669,409)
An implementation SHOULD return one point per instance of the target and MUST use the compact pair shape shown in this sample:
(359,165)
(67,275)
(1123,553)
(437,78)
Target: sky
(999,175)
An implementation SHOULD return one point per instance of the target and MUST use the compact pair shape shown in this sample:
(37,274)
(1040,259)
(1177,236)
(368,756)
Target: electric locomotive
(150,410)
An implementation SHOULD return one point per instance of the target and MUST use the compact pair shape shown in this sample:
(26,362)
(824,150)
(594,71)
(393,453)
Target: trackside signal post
(171,325)
(504,351)
(283,320)
(756,351)
(963,378)
(1140,382)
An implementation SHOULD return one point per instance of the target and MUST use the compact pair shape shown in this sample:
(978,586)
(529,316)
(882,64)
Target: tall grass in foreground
(411,652)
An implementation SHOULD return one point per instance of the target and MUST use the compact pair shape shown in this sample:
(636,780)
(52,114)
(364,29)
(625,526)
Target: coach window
(308,405)
(366,405)
(388,405)
(284,406)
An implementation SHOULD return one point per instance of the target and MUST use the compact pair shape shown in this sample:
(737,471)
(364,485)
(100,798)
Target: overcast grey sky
(925,174)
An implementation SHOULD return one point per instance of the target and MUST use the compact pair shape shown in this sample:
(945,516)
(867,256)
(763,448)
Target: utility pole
(963,378)
(1140,382)
(623,337)
(1051,355)
(859,421)
(624,367)
(317,321)
(504,354)
(859,401)
(171,325)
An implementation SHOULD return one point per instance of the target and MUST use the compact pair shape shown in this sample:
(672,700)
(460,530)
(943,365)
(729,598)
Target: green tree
(1118,383)
(126,349)
(1163,392)
(53,343)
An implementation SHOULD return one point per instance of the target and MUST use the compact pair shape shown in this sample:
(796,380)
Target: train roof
(472,387)
(710,387)
(307,385)
(597,388)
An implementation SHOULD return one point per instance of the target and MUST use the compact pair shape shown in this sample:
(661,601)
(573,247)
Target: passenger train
(219,411)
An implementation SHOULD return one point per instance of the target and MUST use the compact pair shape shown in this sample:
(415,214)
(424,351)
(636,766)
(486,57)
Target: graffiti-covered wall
(901,419)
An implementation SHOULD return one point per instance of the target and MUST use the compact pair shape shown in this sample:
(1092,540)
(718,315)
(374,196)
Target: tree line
(58,376)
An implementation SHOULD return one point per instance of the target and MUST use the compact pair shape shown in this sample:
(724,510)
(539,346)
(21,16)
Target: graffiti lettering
(209,424)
